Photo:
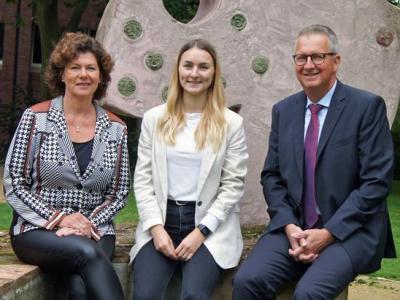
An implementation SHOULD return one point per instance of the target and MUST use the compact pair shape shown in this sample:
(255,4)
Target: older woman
(67,174)
(189,179)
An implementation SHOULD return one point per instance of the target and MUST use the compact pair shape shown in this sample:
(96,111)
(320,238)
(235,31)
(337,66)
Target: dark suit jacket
(353,172)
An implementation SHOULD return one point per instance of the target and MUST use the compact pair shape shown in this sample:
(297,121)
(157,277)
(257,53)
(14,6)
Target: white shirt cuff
(211,222)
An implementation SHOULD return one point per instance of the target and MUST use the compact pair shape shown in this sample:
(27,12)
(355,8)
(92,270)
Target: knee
(306,292)
(251,286)
(146,292)
(76,288)
(196,295)
(89,253)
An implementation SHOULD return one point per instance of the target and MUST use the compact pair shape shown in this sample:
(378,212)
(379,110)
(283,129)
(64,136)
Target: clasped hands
(75,224)
(306,245)
(185,250)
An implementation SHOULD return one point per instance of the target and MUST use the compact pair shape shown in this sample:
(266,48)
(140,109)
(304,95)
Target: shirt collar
(325,100)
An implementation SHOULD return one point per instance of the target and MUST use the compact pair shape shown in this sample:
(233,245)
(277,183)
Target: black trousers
(85,262)
(153,271)
(269,267)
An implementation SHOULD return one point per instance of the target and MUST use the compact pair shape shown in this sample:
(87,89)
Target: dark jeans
(153,271)
(86,262)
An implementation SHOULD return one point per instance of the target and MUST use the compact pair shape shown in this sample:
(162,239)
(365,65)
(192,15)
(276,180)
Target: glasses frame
(312,59)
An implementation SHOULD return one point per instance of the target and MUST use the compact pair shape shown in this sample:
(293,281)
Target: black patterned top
(42,178)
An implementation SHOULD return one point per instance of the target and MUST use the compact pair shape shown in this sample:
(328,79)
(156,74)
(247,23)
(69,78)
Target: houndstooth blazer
(42,180)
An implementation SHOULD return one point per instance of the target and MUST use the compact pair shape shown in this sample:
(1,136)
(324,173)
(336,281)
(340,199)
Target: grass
(390,267)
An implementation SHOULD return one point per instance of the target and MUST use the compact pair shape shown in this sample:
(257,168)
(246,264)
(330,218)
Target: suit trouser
(86,263)
(269,267)
(152,271)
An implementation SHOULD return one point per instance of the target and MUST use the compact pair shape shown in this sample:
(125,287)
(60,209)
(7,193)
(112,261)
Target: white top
(183,165)
(184,162)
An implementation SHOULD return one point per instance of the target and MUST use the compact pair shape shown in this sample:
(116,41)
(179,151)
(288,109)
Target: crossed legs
(87,262)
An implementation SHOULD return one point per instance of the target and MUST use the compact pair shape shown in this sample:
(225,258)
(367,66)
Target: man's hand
(162,241)
(298,242)
(316,240)
(78,222)
(190,244)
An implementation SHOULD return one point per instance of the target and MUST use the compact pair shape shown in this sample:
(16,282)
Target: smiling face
(81,76)
(316,79)
(196,71)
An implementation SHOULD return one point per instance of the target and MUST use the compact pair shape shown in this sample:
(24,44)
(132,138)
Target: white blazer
(220,186)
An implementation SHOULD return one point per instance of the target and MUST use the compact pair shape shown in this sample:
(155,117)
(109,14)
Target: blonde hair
(211,128)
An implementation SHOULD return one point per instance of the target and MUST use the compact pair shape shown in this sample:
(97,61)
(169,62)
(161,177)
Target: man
(326,178)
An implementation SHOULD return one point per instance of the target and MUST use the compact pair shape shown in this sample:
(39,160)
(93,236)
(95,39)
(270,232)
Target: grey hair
(325,30)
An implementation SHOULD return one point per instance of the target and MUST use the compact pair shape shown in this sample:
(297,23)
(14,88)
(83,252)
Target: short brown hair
(67,49)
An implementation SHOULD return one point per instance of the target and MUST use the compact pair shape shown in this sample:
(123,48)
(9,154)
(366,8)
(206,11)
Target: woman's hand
(188,247)
(162,241)
(78,222)
(66,231)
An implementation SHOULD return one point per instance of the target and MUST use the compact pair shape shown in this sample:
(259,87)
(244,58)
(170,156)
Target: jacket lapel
(205,168)
(161,161)
(101,138)
(298,132)
(59,127)
(334,112)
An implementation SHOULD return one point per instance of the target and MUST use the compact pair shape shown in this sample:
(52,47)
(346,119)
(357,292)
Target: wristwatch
(204,230)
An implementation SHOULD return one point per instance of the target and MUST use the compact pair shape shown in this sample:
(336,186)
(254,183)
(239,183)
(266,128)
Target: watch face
(204,230)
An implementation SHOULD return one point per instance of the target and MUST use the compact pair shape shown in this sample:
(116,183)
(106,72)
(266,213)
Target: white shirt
(325,102)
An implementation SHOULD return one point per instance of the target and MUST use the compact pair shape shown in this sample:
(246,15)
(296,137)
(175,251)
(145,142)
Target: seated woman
(189,179)
(67,175)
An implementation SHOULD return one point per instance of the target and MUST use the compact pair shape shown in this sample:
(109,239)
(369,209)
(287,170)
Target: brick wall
(16,67)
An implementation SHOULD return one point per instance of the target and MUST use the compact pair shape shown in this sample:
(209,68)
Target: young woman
(67,173)
(189,179)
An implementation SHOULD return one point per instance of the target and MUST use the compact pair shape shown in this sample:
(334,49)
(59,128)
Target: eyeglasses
(316,58)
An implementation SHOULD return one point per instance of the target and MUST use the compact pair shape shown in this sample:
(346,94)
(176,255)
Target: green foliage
(5,216)
(133,125)
(391,267)
(394,2)
(129,213)
(10,113)
(182,10)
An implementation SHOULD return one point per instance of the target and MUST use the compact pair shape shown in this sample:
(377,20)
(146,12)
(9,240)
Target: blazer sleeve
(274,188)
(116,195)
(18,179)
(233,173)
(375,151)
(149,211)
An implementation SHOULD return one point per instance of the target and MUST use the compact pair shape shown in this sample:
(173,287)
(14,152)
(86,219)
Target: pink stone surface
(271,30)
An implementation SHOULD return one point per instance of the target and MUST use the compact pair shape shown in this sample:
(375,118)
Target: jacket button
(79,186)
(199,203)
